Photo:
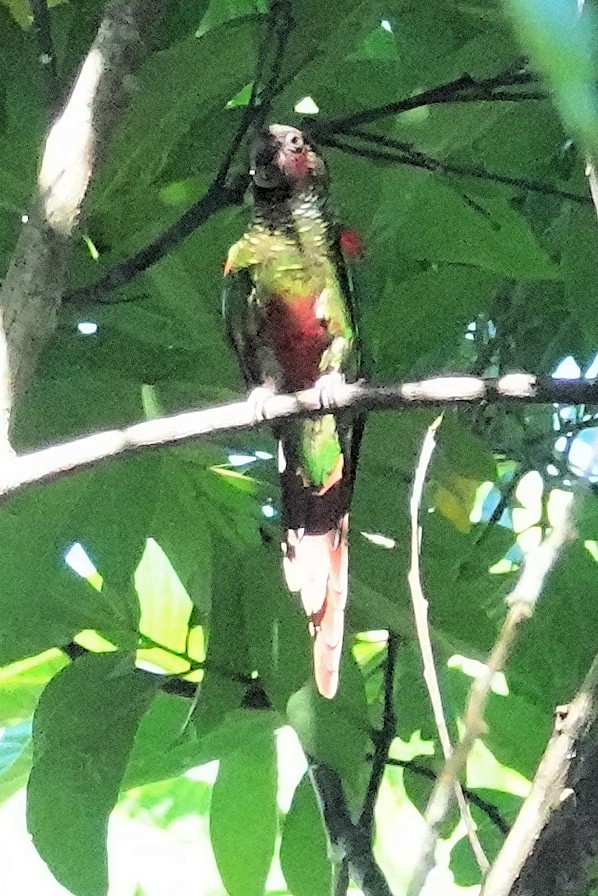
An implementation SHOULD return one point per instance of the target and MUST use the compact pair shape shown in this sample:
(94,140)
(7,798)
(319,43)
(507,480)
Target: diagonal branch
(464,88)
(49,463)
(521,602)
(386,149)
(349,842)
(487,807)
(221,193)
(32,289)
(552,843)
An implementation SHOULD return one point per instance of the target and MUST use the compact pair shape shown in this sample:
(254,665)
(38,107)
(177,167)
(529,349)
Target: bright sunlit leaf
(165,605)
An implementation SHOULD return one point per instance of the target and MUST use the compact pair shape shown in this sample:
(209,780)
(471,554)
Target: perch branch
(16,472)
(420,613)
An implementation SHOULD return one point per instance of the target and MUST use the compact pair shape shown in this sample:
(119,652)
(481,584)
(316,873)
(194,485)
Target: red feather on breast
(298,338)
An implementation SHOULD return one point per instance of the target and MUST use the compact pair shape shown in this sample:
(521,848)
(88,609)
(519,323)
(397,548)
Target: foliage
(480,256)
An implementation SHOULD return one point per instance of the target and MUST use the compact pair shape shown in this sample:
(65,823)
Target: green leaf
(334,731)
(404,337)
(463,863)
(560,37)
(243,817)
(303,849)
(22,683)
(483,231)
(83,729)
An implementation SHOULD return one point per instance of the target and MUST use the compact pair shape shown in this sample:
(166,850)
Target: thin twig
(453,91)
(380,150)
(420,612)
(48,463)
(521,601)
(384,737)
(487,807)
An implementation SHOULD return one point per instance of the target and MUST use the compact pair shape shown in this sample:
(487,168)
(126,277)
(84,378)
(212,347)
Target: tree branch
(220,194)
(383,739)
(32,289)
(348,842)
(48,463)
(385,149)
(521,602)
(487,807)
(464,88)
(552,843)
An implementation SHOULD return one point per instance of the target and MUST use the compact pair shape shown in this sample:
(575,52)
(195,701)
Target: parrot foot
(327,384)
(258,398)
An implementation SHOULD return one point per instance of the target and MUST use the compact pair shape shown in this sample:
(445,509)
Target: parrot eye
(295,141)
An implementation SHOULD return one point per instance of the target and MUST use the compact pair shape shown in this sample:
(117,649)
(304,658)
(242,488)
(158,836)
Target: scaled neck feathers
(286,210)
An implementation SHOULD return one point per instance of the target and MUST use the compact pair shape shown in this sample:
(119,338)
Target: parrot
(290,317)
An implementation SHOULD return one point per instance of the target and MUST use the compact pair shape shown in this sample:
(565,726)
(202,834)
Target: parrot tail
(317,567)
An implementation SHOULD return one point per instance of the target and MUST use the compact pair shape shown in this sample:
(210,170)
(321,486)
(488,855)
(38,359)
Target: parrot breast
(298,338)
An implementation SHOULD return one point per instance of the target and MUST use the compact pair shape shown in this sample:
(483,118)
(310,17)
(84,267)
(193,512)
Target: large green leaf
(303,850)
(83,730)
(483,231)
(243,816)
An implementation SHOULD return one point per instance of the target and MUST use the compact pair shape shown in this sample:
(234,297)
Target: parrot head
(282,158)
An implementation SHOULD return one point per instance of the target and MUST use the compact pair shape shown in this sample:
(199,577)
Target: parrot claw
(258,398)
(327,385)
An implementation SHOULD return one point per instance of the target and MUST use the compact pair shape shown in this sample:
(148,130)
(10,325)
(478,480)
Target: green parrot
(289,314)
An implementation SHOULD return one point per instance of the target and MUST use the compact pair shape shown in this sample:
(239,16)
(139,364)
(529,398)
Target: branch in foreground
(552,845)
(48,463)
(521,601)
(32,289)
(221,193)
(420,614)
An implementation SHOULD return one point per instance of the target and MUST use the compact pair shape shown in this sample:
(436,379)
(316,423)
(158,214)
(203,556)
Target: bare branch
(463,88)
(386,149)
(50,462)
(32,289)
(420,613)
(521,601)
(472,797)
(552,843)
(45,47)
(384,737)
